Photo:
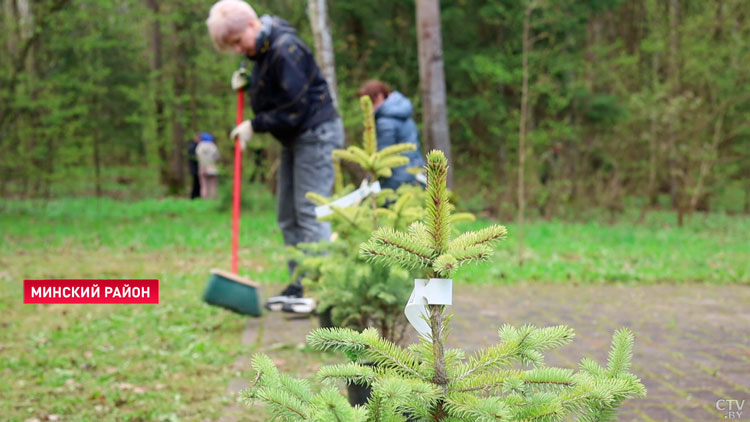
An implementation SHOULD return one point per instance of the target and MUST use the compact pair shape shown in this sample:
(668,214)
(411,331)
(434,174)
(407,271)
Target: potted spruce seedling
(351,291)
(427,381)
(354,292)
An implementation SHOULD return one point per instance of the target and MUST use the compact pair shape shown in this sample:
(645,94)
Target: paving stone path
(692,347)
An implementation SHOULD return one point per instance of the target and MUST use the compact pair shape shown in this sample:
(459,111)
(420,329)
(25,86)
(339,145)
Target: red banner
(91,291)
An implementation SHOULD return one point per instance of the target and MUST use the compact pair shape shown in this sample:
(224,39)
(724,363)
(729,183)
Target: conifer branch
(346,154)
(484,236)
(428,381)
(370,141)
(437,206)
(397,149)
(460,217)
(621,352)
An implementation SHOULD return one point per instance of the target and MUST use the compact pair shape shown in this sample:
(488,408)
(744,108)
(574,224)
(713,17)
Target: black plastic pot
(358,394)
(324,318)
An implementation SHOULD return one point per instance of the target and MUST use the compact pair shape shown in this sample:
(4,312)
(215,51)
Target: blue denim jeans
(306,166)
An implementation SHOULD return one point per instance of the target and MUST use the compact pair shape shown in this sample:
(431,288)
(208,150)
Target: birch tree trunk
(432,80)
(324,53)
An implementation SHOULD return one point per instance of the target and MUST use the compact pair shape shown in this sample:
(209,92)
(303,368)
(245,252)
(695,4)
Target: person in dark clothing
(193,166)
(291,100)
(394,125)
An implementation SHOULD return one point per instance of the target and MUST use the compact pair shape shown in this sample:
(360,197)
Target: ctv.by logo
(732,407)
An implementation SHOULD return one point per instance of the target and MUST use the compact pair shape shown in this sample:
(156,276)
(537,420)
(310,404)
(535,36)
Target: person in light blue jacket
(394,125)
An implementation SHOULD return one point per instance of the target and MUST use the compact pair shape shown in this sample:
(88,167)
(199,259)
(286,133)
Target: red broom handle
(237,181)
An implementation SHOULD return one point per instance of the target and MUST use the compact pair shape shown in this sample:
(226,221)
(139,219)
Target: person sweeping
(291,100)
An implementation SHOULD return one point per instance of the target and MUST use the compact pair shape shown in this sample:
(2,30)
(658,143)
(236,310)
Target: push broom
(225,289)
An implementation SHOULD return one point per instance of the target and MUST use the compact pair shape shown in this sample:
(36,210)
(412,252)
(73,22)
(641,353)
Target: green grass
(709,248)
(173,361)
(168,362)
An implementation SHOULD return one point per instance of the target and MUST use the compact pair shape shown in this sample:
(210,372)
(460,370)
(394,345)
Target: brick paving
(692,341)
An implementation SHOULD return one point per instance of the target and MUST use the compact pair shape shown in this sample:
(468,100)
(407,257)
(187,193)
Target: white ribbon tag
(363,192)
(435,291)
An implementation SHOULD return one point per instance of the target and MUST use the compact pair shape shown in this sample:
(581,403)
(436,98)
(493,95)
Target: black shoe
(291,292)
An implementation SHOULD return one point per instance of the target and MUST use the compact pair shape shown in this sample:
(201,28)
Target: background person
(208,170)
(394,125)
(195,191)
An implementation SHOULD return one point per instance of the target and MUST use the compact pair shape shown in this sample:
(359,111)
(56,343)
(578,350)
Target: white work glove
(244,131)
(239,79)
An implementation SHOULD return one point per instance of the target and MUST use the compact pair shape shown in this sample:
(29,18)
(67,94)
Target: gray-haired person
(291,100)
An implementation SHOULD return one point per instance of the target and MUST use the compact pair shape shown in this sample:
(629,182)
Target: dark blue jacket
(287,90)
(394,125)
(192,158)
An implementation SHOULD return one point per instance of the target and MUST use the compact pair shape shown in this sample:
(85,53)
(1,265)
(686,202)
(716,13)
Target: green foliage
(373,162)
(357,293)
(631,114)
(426,382)
(508,381)
(427,246)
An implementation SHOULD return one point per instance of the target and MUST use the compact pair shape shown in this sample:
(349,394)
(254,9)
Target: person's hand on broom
(239,78)
(244,131)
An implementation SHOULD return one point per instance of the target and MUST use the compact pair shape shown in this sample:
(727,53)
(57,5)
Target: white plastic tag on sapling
(352,198)
(435,291)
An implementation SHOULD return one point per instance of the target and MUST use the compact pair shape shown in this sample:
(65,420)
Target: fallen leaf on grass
(99,397)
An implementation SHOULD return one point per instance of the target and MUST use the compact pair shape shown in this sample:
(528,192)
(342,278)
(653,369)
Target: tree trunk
(177,160)
(158,81)
(432,80)
(522,128)
(97,167)
(10,25)
(324,53)
(437,326)
(26,25)
(676,185)
(707,164)
(652,141)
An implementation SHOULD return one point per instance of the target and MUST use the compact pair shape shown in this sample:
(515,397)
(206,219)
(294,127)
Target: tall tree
(24,32)
(324,53)
(432,80)
(526,41)
(159,81)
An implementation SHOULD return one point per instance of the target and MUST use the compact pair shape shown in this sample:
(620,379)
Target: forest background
(630,104)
